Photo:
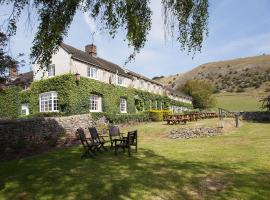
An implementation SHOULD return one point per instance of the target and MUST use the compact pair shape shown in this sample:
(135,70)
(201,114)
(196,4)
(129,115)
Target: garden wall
(256,116)
(23,136)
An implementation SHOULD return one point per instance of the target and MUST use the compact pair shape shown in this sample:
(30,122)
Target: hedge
(73,97)
(10,102)
(158,115)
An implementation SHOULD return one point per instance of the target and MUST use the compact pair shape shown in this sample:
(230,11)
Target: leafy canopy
(7,63)
(202,93)
(187,19)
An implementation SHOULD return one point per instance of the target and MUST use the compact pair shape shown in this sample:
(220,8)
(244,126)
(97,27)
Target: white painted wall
(65,64)
(61,60)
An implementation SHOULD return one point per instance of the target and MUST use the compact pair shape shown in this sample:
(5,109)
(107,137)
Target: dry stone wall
(20,135)
(256,116)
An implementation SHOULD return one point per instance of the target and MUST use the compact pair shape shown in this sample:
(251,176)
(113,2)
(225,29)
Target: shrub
(121,118)
(156,115)
(240,90)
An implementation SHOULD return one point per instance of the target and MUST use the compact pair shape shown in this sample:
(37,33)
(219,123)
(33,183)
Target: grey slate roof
(177,93)
(24,79)
(96,61)
(83,56)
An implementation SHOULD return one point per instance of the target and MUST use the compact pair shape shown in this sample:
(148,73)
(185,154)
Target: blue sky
(237,28)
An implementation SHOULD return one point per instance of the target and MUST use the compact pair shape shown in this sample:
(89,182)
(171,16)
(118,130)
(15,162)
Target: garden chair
(89,147)
(97,139)
(126,143)
(114,133)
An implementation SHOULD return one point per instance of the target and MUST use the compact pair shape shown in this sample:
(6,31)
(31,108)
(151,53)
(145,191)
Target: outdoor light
(78,77)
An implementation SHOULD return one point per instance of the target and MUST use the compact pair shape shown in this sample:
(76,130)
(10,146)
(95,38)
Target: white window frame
(120,80)
(92,72)
(123,105)
(51,70)
(48,102)
(25,109)
(104,76)
(95,103)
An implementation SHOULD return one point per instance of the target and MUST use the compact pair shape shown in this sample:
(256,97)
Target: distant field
(239,101)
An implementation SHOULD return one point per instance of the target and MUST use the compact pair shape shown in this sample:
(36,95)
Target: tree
(266,103)
(202,93)
(7,63)
(187,19)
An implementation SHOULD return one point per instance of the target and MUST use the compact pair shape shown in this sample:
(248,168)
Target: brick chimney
(91,49)
(13,73)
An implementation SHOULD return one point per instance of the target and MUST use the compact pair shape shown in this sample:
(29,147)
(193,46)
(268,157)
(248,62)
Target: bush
(166,113)
(240,90)
(156,115)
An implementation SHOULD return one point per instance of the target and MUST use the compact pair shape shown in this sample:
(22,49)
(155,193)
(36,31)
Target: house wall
(65,64)
(62,62)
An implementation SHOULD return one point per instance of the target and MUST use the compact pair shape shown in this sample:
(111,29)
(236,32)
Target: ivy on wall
(73,97)
(10,102)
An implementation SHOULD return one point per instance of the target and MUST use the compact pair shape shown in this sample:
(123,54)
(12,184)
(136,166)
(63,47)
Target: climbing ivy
(10,102)
(73,97)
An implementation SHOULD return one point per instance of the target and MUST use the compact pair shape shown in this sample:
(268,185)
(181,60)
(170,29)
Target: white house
(86,63)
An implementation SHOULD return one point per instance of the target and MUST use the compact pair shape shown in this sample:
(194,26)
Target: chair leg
(129,150)
(136,148)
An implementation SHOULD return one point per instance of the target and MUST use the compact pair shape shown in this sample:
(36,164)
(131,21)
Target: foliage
(240,90)
(157,77)
(266,103)
(190,17)
(156,115)
(73,98)
(7,63)
(10,102)
(202,93)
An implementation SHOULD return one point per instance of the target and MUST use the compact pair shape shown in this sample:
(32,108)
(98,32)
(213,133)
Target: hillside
(237,75)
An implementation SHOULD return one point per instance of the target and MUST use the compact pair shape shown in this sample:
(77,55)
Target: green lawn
(239,101)
(235,165)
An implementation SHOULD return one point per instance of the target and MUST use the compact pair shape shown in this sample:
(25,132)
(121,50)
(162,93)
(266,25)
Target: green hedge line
(73,97)
(10,102)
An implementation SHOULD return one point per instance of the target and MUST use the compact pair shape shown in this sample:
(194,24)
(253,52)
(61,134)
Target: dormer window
(51,70)
(92,72)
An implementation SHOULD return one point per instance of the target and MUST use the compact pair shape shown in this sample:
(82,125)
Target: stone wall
(24,135)
(256,116)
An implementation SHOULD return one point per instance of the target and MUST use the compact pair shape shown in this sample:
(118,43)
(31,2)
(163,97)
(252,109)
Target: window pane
(48,102)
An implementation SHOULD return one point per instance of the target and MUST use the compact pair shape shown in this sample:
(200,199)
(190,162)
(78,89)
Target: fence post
(236,121)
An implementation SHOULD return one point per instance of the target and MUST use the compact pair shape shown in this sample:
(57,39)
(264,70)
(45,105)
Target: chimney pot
(91,49)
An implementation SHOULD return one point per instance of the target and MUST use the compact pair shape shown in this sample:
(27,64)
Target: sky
(237,28)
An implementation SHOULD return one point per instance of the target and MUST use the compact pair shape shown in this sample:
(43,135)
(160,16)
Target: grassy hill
(231,75)
(238,102)
(240,83)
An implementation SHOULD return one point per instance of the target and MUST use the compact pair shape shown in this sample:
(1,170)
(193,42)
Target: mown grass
(235,165)
(239,101)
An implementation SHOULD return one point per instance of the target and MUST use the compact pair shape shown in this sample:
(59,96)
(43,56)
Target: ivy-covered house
(79,82)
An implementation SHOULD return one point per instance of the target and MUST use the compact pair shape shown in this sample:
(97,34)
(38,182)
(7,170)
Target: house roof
(85,57)
(177,93)
(102,63)
(23,79)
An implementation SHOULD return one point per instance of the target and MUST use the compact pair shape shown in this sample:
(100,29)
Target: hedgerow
(10,102)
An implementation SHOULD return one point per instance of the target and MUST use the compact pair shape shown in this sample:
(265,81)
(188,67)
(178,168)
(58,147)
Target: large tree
(7,63)
(187,19)
(201,92)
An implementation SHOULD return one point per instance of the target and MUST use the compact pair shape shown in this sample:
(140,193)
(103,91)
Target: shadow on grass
(146,175)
